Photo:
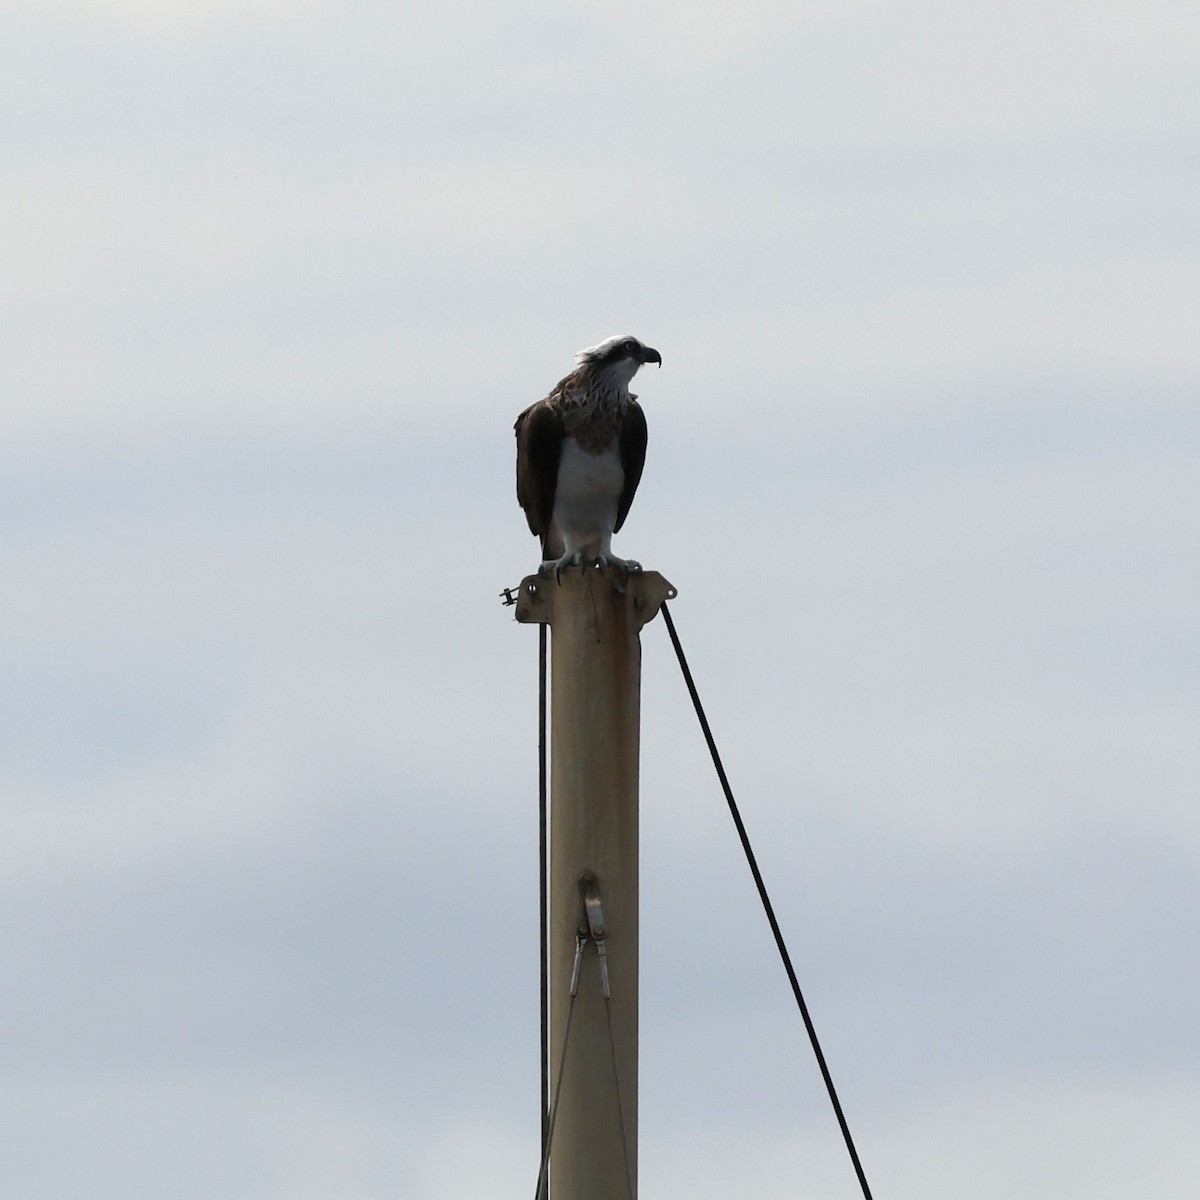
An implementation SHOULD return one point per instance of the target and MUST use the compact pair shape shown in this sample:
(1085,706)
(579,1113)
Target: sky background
(275,279)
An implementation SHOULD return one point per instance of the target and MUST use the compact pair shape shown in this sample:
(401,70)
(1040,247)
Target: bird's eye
(630,346)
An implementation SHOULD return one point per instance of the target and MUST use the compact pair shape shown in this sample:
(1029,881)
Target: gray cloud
(921,465)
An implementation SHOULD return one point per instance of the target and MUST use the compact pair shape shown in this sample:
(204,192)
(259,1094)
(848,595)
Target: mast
(595,617)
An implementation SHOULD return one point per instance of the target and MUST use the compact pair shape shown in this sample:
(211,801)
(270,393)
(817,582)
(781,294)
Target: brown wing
(633,457)
(539,446)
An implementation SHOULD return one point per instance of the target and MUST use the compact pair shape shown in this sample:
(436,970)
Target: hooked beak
(649,354)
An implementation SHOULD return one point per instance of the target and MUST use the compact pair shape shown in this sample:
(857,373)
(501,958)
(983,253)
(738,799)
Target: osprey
(580,453)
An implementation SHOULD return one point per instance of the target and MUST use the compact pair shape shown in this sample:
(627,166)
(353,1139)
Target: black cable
(766,902)
(543,888)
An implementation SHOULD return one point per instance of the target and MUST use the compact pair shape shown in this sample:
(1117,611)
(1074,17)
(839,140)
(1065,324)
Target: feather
(634,436)
(539,446)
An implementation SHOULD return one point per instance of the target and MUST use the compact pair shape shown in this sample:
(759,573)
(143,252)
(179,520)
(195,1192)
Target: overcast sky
(275,279)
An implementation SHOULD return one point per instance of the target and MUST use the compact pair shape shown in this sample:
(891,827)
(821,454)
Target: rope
(766,902)
(543,889)
(612,1046)
(543,1184)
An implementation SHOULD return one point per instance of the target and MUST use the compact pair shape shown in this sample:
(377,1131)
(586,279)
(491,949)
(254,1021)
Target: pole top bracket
(643,592)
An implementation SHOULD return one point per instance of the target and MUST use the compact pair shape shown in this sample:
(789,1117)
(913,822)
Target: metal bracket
(534,597)
(580,942)
(591,924)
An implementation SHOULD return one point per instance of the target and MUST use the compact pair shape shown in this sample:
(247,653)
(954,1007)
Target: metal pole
(595,617)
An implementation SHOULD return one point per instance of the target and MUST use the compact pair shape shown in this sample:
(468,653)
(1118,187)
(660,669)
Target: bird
(580,454)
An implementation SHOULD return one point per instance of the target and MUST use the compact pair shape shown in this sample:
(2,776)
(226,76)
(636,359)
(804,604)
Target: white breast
(586,497)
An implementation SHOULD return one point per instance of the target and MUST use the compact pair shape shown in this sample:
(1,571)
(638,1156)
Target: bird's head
(618,357)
